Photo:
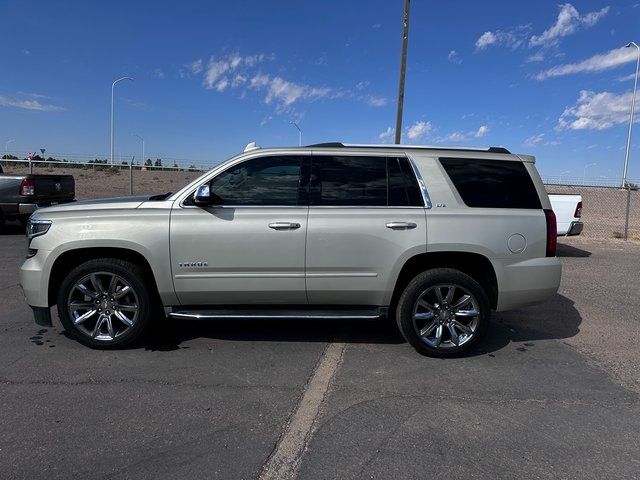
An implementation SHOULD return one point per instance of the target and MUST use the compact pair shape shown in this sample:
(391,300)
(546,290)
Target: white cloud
(195,67)
(27,104)
(536,57)
(534,140)
(419,130)
(217,67)
(158,73)
(387,135)
(376,25)
(569,21)
(258,81)
(285,92)
(454,58)
(238,80)
(361,85)
(596,111)
(266,120)
(513,38)
(26,52)
(482,131)
(222,85)
(627,78)
(603,61)
(376,101)
(455,137)
(486,39)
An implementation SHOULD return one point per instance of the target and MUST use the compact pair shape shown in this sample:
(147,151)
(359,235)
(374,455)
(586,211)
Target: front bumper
(575,228)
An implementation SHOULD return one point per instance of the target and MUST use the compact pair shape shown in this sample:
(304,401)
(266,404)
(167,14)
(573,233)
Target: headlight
(37,227)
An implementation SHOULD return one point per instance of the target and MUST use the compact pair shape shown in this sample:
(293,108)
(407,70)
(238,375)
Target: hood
(118,203)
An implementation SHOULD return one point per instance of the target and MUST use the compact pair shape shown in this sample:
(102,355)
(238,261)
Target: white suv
(433,237)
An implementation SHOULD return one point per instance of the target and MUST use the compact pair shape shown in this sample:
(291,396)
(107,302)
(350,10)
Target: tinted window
(349,181)
(397,188)
(492,183)
(261,181)
(403,186)
(413,189)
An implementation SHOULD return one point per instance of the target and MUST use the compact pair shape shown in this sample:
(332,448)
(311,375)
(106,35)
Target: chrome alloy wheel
(446,316)
(103,306)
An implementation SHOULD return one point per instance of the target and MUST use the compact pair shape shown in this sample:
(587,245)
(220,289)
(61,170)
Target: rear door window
(363,181)
(492,183)
(349,181)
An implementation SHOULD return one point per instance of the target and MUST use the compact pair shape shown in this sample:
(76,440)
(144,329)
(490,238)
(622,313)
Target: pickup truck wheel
(443,312)
(105,303)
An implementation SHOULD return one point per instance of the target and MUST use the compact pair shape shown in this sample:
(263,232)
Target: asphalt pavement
(551,393)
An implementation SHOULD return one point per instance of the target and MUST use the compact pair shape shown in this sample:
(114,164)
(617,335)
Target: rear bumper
(529,282)
(14,209)
(575,228)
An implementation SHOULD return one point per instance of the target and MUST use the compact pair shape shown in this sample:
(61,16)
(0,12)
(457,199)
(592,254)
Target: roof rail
(423,147)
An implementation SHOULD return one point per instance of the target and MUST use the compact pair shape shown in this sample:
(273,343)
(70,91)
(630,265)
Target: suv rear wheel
(443,312)
(105,303)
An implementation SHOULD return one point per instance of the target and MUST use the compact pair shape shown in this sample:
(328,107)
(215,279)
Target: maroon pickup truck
(21,195)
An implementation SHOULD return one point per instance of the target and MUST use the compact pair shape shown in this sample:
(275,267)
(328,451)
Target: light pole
(113,85)
(142,140)
(633,107)
(6,145)
(299,132)
(584,176)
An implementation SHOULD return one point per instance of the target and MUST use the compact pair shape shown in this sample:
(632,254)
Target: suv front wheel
(105,303)
(443,312)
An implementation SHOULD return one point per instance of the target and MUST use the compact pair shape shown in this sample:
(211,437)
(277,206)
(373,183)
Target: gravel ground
(551,393)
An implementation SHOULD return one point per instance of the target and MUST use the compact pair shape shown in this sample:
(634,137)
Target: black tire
(422,283)
(129,272)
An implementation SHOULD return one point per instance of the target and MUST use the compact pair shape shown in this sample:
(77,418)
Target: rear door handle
(284,225)
(401,225)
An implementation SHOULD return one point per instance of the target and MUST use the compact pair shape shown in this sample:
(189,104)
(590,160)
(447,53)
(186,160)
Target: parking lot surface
(551,393)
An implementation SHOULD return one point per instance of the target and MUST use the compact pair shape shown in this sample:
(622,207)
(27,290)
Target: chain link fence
(605,205)
(98,179)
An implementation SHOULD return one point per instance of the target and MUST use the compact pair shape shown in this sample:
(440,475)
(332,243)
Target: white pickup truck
(568,210)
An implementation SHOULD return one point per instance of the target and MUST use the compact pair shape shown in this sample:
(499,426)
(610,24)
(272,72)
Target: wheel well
(475,265)
(72,258)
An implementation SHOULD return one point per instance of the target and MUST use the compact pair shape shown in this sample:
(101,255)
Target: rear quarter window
(492,183)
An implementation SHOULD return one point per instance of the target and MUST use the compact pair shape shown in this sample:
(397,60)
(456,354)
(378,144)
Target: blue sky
(541,77)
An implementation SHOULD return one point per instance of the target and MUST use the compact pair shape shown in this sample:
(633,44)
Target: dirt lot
(551,393)
(603,211)
(99,184)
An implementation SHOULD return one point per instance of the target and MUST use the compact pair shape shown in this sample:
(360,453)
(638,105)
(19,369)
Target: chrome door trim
(423,187)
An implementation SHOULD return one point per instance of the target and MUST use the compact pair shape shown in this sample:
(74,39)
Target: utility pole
(403,68)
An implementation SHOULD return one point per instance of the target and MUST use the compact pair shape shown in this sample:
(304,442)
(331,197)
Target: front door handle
(401,225)
(284,225)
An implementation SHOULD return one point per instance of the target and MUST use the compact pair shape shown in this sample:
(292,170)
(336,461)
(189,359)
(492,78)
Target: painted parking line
(284,461)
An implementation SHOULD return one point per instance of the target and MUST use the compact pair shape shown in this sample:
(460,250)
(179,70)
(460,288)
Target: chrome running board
(266,314)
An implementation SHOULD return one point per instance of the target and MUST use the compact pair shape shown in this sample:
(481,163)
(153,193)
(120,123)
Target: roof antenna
(251,146)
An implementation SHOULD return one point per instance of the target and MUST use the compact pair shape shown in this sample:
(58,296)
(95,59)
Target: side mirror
(203,195)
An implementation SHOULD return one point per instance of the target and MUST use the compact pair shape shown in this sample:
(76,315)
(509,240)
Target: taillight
(578,212)
(28,187)
(552,233)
